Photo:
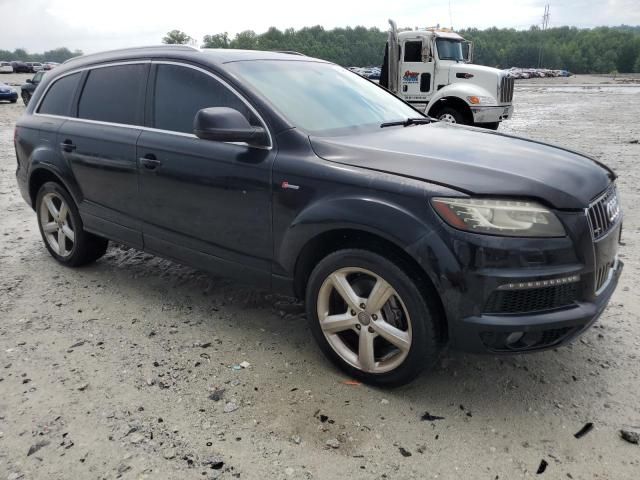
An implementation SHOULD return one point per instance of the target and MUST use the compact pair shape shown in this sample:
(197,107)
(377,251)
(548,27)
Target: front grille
(604,212)
(506,89)
(531,299)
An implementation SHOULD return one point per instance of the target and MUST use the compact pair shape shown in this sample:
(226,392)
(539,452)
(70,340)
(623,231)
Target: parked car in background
(29,87)
(20,67)
(35,66)
(5,67)
(8,93)
(49,65)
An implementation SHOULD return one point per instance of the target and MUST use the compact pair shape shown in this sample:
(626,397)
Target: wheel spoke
(68,232)
(338,323)
(366,357)
(344,289)
(380,294)
(64,210)
(50,227)
(62,248)
(393,335)
(52,208)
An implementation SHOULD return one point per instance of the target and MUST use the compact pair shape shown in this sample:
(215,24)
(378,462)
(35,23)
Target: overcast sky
(39,25)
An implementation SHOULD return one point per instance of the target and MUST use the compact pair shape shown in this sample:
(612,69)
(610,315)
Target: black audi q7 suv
(401,234)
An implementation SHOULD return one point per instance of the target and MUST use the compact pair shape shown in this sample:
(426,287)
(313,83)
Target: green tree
(219,40)
(176,37)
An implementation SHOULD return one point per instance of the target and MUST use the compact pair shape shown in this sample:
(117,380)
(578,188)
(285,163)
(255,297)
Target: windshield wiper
(407,122)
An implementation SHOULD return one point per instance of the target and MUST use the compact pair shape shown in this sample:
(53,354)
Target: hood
(486,75)
(473,161)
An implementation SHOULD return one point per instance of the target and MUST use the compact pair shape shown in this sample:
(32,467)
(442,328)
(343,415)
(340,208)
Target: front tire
(26,98)
(451,115)
(62,230)
(370,318)
(489,126)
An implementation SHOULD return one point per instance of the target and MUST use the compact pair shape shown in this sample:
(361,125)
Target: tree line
(58,55)
(595,50)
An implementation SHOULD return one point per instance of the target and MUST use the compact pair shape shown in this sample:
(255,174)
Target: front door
(416,70)
(204,202)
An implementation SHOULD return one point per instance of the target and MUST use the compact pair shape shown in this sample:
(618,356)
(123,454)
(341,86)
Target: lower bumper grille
(532,300)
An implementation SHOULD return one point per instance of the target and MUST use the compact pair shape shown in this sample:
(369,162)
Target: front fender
(461,91)
(389,221)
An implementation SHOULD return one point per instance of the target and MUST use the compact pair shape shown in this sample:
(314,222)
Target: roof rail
(135,49)
(290,52)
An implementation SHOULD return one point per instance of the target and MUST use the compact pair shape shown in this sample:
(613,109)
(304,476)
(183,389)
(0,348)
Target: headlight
(511,218)
(476,100)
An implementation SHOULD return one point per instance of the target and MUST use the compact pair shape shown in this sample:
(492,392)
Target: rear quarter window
(114,94)
(57,100)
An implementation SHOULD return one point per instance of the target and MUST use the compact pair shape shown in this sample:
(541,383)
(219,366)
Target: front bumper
(541,331)
(491,114)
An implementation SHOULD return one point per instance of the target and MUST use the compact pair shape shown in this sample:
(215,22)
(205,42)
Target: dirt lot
(117,370)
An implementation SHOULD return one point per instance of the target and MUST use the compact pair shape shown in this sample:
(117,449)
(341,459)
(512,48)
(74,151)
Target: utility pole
(545,24)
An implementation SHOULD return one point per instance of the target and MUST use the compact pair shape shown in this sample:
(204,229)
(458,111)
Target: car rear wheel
(370,318)
(62,230)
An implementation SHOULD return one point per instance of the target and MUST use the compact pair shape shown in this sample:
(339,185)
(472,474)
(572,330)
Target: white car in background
(35,66)
(5,67)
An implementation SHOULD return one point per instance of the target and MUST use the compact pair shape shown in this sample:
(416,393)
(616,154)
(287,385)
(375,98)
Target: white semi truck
(432,70)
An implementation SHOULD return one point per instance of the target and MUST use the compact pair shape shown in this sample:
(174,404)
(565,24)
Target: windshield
(321,98)
(449,49)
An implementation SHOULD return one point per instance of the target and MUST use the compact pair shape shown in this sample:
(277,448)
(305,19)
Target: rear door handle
(68,146)
(150,162)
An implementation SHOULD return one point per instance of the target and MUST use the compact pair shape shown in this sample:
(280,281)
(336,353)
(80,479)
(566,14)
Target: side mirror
(29,80)
(223,124)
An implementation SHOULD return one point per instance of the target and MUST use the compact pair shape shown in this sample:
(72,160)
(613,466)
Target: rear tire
(390,340)
(14,101)
(62,229)
(489,126)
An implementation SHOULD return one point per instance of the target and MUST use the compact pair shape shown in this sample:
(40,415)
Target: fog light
(514,337)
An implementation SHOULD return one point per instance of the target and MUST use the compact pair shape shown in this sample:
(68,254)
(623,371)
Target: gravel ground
(133,368)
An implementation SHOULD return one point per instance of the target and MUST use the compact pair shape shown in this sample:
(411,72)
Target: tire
(61,228)
(451,115)
(14,101)
(406,316)
(26,98)
(489,126)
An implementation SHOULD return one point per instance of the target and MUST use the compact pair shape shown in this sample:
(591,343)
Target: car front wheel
(26,98)
(371,318)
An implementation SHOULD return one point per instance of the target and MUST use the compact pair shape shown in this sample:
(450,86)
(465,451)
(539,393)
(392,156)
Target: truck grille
(506,89)
(604,212)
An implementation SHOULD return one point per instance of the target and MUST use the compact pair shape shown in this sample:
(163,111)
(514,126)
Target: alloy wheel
(56,224)
(364,320)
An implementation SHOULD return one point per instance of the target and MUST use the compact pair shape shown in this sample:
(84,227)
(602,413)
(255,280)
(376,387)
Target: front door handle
(68,146)
(150,162)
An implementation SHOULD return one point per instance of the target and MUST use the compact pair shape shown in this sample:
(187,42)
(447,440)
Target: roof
(429,32)
(214,55)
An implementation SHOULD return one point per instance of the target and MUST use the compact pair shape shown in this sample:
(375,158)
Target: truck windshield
(449,49)
(321,98)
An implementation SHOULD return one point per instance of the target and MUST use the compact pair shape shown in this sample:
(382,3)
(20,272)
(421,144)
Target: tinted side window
(180,92)
(114,94)
(413,52)
(58,99)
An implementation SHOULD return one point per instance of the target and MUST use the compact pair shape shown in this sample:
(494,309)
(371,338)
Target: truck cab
(432,70)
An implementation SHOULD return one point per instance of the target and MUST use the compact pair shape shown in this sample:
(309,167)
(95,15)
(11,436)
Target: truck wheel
(451,115)
(370,318)
(61,228)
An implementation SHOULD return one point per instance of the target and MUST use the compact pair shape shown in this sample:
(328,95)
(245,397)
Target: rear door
(204,202)
(100,145)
